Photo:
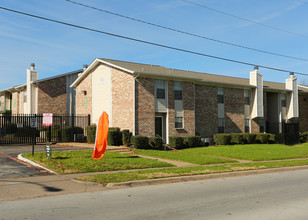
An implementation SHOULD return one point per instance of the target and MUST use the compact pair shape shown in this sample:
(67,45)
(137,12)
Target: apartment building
(49,95)
(153,100)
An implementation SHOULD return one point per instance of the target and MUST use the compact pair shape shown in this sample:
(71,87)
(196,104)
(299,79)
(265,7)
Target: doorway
(160,126)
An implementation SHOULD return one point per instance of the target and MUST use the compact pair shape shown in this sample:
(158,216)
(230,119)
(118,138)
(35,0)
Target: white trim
(111,106)
(92,103)
(92,65)
(194,106)
(36,100)
(167,116)
(58,76)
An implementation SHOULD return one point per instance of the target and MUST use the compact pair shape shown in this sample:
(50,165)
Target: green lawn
(187,171)
(184,156)
(254,152)
(81,161)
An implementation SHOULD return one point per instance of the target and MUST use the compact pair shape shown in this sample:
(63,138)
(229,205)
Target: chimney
(256,80)
(32,75)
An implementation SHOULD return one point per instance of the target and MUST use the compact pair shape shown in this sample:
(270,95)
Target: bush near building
(245,138)
(303,137)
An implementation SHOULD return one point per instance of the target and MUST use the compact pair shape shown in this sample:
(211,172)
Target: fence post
(73,125)
(61,128)
(89,119)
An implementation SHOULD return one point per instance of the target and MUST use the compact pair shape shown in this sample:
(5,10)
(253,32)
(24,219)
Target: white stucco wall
(101,93)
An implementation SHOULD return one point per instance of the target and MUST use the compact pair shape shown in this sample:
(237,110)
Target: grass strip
(254,152)
(187,171)
(65,162)
(184,156)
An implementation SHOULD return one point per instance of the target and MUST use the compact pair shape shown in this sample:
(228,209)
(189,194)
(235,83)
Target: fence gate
(290,132)
(16,129)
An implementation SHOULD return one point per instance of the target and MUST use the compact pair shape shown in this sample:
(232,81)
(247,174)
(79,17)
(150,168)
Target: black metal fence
(18,129)
(287,133)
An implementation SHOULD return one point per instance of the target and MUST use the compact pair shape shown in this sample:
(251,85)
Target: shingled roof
(155,70)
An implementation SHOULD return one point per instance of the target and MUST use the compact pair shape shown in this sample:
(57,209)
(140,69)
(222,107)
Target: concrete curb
(34,164)
(201,177)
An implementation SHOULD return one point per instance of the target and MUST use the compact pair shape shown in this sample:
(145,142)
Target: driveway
(10,167)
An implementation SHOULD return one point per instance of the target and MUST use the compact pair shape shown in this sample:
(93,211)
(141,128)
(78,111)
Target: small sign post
(33,124)
(48,150)
(47,121)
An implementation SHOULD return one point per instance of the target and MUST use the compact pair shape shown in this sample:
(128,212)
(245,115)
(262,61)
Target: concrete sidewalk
(52,185)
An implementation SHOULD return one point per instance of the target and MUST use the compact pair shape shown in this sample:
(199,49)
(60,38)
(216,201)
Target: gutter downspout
(134,122)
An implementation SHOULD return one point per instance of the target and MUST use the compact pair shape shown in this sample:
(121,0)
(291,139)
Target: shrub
(303,137)
(156,143)
(68,133)
(114,137)
(140,142)
(272,139)
(279,138)
(126,136)
(249,138)
(262,138)
(91,132)
(222,139)
(176,142)
(192,141)
(237,138)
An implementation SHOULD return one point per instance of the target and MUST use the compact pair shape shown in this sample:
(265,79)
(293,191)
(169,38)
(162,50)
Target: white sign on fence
(47,119)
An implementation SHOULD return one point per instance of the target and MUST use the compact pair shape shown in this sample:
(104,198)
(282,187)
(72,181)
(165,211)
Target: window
(160,89)
(178,91)
(178,122)
(221,125)
(283,100)
(220,95)
(247,126)
(246,97)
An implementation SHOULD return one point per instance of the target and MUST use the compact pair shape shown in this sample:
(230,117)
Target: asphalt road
(269,196)
(11,168)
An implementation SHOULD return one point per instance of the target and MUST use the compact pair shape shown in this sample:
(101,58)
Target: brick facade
(145,106)
(15,102)
(84,102)
(303,112)
(206,110)
(52,96)
(234,110)
(188,95)
(122,100)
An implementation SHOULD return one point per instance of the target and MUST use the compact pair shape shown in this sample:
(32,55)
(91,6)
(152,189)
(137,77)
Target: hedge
(303,137)
(68,133)
(262,138)
(126,136)
(176,142)
(249,138)
(91,132)
(114,137)
(156,143)
(237,138)
(192,141)
(222,139)
(140,142)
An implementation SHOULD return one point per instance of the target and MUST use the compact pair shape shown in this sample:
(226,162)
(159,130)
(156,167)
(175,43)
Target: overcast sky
(57,49)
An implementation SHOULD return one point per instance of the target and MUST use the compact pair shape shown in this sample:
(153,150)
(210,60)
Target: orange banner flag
(101,136)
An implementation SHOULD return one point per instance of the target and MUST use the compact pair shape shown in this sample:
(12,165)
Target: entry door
(159,126)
